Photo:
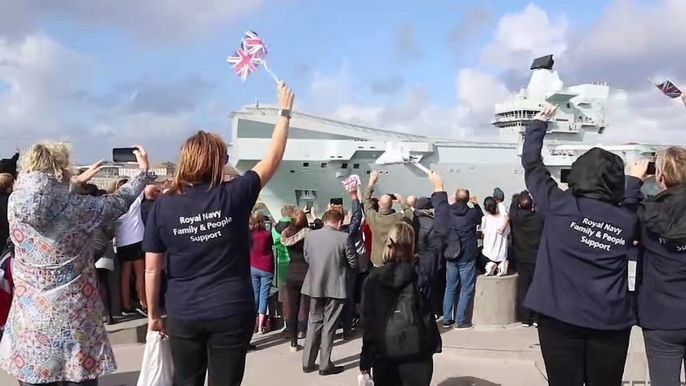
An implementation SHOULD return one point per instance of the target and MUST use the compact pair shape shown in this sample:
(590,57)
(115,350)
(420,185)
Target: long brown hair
(256,222)
(399,244)
(202,160)
(299,220)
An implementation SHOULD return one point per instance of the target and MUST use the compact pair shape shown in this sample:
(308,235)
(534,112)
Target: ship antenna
(257,103)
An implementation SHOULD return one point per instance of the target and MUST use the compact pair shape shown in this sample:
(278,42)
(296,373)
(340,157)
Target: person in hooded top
(380,300)
(580,288)
(662,291)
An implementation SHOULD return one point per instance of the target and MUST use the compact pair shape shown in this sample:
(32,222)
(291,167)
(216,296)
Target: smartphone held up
(124,154)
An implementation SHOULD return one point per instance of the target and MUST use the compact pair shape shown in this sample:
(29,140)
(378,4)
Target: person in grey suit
(330,255)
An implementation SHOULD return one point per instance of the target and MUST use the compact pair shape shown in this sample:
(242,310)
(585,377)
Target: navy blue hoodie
(581,268)
(662,288)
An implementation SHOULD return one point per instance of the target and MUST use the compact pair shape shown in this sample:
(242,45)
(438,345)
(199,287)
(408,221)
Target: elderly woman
(55,332)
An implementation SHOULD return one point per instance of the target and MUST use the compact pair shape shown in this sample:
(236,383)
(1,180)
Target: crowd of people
(197,252)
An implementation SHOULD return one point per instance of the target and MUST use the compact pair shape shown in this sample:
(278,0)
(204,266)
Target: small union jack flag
(244,62)
(255,44)
(352,182)
(670,89)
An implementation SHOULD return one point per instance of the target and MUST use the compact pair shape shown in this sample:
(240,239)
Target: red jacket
(367,231)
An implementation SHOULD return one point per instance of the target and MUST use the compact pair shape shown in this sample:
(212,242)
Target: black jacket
(429,247)
(662,281)
(380,291)
(581,268)
(527,227)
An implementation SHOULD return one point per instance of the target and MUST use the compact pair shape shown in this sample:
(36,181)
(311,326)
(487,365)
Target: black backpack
(453,246)
(406,332)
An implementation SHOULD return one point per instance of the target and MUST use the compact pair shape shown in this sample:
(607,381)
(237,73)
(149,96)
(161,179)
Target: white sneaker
(490,268)
(502,268)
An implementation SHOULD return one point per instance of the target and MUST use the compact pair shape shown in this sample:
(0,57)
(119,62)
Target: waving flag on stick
(244,62)
(250,55)
(668,88)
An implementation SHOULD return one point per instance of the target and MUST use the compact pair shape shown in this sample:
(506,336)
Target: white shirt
(495,243)
(130,227)
(502,208)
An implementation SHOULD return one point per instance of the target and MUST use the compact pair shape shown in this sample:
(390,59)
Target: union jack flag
(670,89)
(244,62)
(255,44)
(352,182)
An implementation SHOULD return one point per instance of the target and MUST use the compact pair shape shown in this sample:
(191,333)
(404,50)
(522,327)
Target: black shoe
(129,312)
(252,347)
(465,326)
(332,370)
(310,369)
(142,311)
(347,335)
(448,323)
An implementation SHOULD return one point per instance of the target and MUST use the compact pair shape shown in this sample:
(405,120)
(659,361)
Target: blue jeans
(261,284)
(460,273)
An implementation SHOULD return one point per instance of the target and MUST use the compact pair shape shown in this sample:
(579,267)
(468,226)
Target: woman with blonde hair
(55,332)
(201,226)
(393,305)
(261,267)
(662,291)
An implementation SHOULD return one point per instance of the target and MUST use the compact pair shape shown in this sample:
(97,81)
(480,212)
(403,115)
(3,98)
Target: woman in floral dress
(55,334)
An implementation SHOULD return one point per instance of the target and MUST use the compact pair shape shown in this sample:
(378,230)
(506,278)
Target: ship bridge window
(292,171)
(323,164)
(356,166)
(306,164)
(564,175)
(344,165)
(569,106)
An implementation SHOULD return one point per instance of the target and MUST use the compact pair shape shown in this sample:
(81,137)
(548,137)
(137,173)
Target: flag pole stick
(276,79)
(421,167)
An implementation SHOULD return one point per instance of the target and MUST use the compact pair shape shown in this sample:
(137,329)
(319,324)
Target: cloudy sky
(101,73)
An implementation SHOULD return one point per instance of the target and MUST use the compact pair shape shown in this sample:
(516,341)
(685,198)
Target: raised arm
(633,196)
(538,180)
(355,226)
(107,209)
(369,211)
(407,209)
(439,200)
(270,162)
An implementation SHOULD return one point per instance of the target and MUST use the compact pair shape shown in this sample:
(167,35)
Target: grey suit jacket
(331,256)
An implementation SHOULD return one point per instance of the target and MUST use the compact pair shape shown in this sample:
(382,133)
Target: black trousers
(216,346)
(666,351)
(578,356)
(295,303)
(438,292)
(526,277)
(93,382)
(387,373)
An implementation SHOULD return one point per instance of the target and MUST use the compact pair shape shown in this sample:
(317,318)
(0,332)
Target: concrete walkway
(480,357)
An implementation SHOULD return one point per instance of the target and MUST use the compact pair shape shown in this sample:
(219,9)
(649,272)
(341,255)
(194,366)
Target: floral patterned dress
(55,331)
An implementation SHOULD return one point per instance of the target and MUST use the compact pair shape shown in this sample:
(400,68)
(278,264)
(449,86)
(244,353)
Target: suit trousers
(325,315)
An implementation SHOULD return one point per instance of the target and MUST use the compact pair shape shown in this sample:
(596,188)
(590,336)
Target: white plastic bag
(364,380)
(157,368)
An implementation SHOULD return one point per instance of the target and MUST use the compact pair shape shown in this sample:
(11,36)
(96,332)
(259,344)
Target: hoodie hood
(598,174)
(664,214)
(37,199)
(396,276)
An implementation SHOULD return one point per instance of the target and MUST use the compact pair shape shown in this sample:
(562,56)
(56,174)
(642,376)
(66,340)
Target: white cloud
(525,35)
(150,20)
(43,97)
(627,43)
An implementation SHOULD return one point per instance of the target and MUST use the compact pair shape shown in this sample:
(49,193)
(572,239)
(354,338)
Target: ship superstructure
(321,152)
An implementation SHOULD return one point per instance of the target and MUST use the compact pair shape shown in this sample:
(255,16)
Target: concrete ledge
(495,300)
(128,332)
